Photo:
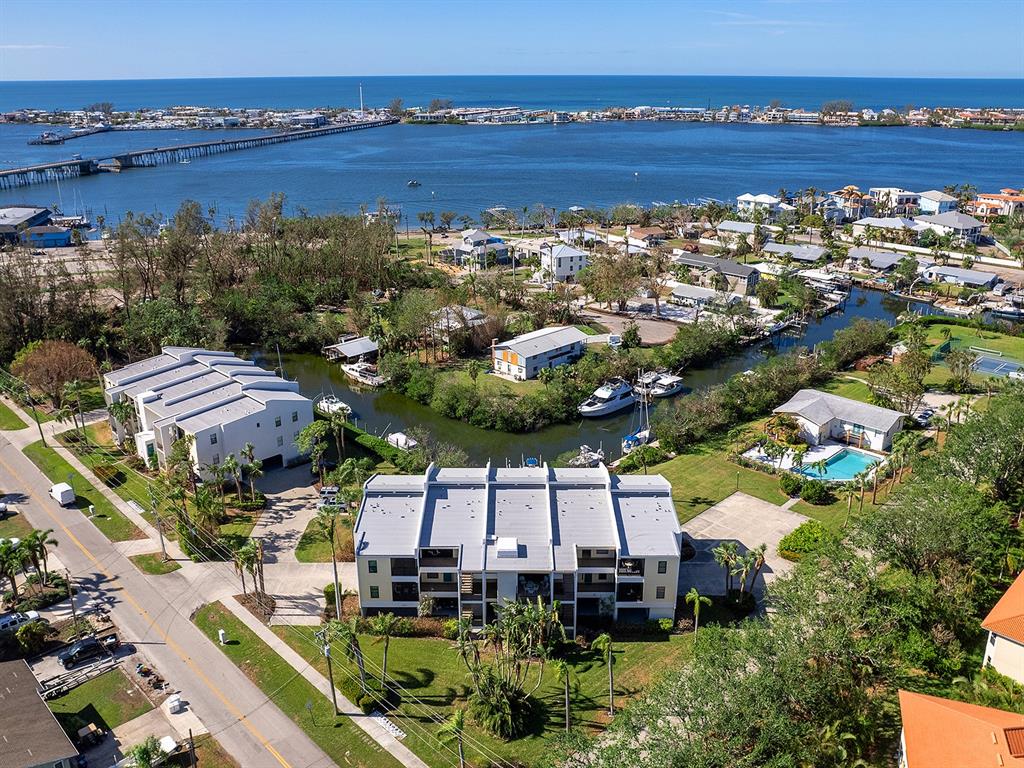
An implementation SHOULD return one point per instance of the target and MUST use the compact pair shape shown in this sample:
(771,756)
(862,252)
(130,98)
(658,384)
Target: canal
(382,411)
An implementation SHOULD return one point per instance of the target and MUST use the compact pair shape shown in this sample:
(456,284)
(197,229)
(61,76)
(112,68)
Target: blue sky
(84,40)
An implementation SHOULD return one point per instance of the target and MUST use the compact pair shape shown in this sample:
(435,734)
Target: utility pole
(71,596)
(191,749)
(154,507)
(323,637)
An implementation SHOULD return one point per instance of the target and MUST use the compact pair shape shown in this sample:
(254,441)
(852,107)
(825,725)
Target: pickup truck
(84,649)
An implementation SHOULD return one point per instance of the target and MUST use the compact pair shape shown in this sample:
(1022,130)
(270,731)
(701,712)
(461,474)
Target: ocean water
(469,168)
(571,92)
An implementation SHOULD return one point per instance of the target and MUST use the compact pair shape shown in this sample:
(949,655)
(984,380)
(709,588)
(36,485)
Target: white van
(63,494)
(10,622)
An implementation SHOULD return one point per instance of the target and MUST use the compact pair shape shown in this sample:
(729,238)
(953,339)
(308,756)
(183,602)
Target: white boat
(588,457)
(641,434)
(328,405)
(645,382)
(364,373)
(401,441)
(610,397)
(667,385)
(184,161)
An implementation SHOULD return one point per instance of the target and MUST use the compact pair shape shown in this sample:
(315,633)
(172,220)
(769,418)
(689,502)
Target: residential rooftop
(822,407)
(544,340)
(29,733)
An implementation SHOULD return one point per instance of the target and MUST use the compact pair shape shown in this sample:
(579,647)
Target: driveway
(291,504)
(743,519)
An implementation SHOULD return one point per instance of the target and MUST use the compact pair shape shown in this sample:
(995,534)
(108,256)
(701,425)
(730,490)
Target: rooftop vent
(508,546)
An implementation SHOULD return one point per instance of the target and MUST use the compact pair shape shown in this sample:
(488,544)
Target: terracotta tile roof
(940,732)
(1007,616)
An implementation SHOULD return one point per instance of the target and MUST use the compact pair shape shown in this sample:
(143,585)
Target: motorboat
(587,457)
(667,385)
(610,397)
(364,373)
(401,441)
(328,405)
(184,161)
(645,382)
(412,183)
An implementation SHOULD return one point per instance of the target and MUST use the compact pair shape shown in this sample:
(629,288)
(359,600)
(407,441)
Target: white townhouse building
(895,200)
(522,357)
(223,402)
(1004,650)
(823,416)
(601,545)
(559,262)
(964,228)
(934,202)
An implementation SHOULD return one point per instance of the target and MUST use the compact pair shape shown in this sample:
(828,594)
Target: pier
(148,158)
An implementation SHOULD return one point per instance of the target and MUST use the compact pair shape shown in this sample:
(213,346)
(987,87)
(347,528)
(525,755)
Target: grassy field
(14,527)
(108,701)
(9,420)
(209,754)
(153,564)
(433,673)
(314,546)
(487,382)
(111,522)
(345,742)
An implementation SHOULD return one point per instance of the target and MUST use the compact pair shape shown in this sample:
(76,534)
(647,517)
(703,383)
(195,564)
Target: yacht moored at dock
(364,373)
(328,405)
(611,397)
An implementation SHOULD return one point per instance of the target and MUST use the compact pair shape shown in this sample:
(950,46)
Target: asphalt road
(249,726)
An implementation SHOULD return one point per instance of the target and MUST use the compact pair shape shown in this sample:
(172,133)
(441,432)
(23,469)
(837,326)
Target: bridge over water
(147,158)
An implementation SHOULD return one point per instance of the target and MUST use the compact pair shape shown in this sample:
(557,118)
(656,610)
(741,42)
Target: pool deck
(815,453)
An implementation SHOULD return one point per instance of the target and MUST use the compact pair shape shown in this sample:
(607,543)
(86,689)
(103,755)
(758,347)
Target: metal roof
(952,219)
(725,266)
(544,340)
(798,252)
(822,407)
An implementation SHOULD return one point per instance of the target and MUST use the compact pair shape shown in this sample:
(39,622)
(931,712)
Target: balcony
(631,567)
(534,585)
(596,586)
(404,566)
(565,586)
(630,593)
(436,585)
(595,561)
(404,591)
(438,558)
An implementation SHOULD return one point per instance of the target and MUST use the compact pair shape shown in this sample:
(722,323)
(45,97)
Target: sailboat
(641,433)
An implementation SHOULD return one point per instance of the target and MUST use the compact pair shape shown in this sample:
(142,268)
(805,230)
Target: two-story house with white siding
(522,357)
(1004,650)
(604,546)
(223,402)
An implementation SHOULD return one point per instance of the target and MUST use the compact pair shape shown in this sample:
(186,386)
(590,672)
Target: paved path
(371,726)
(291,505)
(742,518)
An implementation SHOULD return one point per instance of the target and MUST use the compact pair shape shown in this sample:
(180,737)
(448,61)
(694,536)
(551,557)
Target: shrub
(645,455)
(329,597)
(816,492)
(791,484)
(31,636)
(450,629)
(666,625)
(808,538)
(108,474)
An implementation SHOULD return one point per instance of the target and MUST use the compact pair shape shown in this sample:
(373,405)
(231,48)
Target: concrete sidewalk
(374,729)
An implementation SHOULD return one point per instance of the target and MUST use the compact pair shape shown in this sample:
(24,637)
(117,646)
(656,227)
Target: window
(295,416)
(213,439)
(448,577)
(216,459)
(663,566)
(602,551)
(659,593)
(375,593)
(257,425)
(431,575)
(602,577)
(280,441)
(277,421)
(371,566)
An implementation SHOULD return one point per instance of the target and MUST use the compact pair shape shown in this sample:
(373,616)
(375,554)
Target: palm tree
(12,562)
(337,421)
(348,633)
(327,522)
(73,391)
(241,562)
(233,470)
(219,474)
(36,546)
(849,490)
(207,511)
(254,469)
(564,672)
(311,442)
(603,644)
(725,555)
(384,625)
(123,413)
(696,599)
(451,732)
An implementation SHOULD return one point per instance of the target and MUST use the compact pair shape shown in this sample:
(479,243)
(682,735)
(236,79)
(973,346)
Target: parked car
(924,417)
(84,649)
(12,622)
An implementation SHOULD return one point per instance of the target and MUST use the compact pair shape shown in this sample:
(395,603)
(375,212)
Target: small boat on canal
(328,405)
(364,373)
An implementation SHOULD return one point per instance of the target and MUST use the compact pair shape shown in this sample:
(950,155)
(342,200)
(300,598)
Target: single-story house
(888,224)
(46,236)
(15,218)
(824,416)
(964,228)
(805,253)
(1004,650)
(739,278)
(522,357)
(352,350)
(645,237)
(933,202)
(478,248)
(696,296)
(973,278)
(728,229)
(880,260)
(455,318)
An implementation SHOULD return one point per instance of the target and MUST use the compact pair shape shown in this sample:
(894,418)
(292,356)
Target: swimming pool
(842,466)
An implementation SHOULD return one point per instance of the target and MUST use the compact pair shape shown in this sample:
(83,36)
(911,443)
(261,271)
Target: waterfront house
(933,202)
(823,416)
(604,546)
(215,398)
(686,295)
(1004,650)
(559,262)
(766,204)
(853,203)
(30,736)
(941,732)
(895,201)
(46,236)
(728,231)
(14,219)
(808,254)
(892,228)
(972,278)
(712,271)
(455,319)
(963,228)
(645,237)
(478,248)
(1009,201)
(522,357)
(883,261)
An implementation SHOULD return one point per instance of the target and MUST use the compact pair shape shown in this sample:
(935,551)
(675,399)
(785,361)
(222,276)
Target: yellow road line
(167,639)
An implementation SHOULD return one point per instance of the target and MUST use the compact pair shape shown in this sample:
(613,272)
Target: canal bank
(381,411)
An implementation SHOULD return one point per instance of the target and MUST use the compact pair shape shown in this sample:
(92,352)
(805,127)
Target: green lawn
(850,387)
(314,546)
(153,564)
(345,742)
(108,701)
(433,673)
(111,522)
(9,420)
(493,383)
(1011,346)
(14,527)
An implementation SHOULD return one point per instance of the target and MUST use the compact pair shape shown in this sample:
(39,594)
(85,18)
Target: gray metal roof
(362,345)
(725,266)
(937,196)
(544,340)
(967,276)
(797,252)
(952,219)
(877,259)
(737,226)
(822,407)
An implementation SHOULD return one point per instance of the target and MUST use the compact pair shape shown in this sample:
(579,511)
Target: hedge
(377,445)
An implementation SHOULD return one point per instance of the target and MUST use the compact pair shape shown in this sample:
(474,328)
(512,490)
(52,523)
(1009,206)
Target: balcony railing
(596,586)
(596,562)
(403,590)
(630,593)
(404,566)
(438,562)
(438,586)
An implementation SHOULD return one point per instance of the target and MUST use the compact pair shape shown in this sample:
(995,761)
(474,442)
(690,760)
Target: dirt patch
(262,607)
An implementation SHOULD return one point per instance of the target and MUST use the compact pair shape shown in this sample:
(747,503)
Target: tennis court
(996,366)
